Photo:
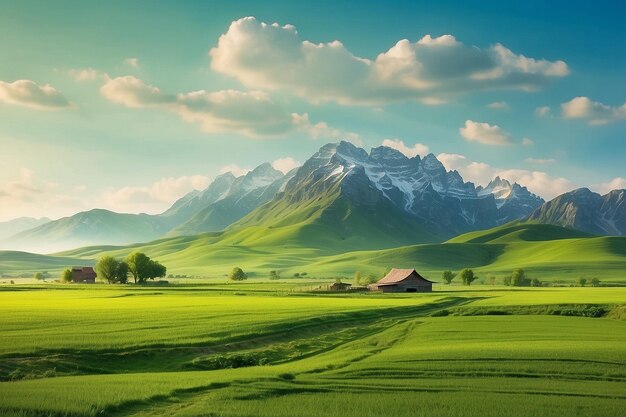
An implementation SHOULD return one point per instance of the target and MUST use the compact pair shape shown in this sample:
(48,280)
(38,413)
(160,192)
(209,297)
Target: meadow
(268,348)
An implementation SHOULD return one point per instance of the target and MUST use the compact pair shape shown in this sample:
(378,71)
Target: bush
(67,276)
(237,274)
(287,376)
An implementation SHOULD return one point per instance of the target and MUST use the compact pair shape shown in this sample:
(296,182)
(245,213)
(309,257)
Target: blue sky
(123,106)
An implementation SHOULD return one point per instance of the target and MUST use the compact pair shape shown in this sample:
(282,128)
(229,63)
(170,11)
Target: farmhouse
(83,275)
(402,280)
(340,286)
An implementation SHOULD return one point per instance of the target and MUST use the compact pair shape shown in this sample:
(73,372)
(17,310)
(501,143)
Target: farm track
(180,399)
(331,331)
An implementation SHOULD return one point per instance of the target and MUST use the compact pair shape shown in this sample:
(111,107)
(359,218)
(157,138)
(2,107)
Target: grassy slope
(397,364)
(548,252)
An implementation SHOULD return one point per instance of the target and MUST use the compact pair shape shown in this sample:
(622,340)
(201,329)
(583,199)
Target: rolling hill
(545,251)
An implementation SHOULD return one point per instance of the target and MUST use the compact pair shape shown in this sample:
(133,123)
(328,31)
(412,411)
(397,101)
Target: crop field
(271,349)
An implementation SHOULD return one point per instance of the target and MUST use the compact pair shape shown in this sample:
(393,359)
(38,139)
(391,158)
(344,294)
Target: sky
(130,105)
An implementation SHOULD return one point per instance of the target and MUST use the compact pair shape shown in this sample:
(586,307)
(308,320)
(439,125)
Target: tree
(535,282)
(237,274)
(274,274)
(66,276)
(106,268)
(358,278)
(142,268)
(137,265)
(38,276)
(507,280)
(595,282)
(581,281)
(467,275)
(519,279)
(296,275)
(447,276)
(121,273)
(155,270)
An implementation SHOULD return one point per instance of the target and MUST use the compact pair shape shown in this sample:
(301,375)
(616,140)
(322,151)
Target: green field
(266,348)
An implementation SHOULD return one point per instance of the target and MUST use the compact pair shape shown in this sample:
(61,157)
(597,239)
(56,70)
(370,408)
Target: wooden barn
(83,275)
(402,280)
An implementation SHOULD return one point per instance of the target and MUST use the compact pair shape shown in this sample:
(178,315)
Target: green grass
(144,351)
(550,253)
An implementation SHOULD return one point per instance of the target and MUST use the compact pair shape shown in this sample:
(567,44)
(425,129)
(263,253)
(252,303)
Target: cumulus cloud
(542,111)
(410,151)
(540,161)
(499,105)
(251,113)
(132,62)
(234,169)
(594,112)
(285,164)
(432,70)
(30,94)
(528,142)
(484,133)
(152,198)
(538,182)
(85,74)
(617,183)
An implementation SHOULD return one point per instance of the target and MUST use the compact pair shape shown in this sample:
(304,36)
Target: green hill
(312,246)
(517,231)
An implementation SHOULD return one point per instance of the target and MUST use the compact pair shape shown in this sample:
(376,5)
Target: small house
(340,286)
(402,280)
(83,275)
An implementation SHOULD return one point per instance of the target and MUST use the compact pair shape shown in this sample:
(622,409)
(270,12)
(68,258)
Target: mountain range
(342,197)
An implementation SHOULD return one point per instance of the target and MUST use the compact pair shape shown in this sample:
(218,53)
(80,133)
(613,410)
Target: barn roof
(396,275)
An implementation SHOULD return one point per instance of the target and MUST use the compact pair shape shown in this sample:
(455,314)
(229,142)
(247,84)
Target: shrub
(237,274)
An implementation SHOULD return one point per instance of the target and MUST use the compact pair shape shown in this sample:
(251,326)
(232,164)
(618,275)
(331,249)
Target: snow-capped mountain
(513,201)
(585,210)
(242,195)
(419,190)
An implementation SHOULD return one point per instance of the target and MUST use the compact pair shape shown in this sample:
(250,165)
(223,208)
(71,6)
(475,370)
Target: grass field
(268,349)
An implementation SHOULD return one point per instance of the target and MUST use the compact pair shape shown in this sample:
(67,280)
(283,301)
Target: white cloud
(85,74)
(594,112)
(410,151)
(251,113)
(538,182)
(617,183)
(323,130)
(271,56)
(542,111)
(234,169)
(540,161)
(28,195)
(499,105)
(132,62)
(285,164)
(484,133)
(528,142)
(154,198)
(30,94)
